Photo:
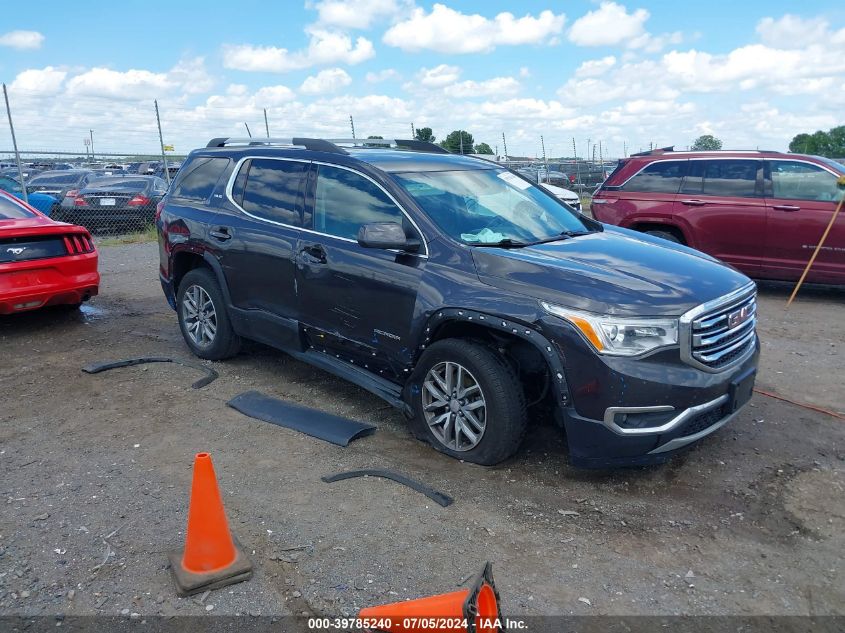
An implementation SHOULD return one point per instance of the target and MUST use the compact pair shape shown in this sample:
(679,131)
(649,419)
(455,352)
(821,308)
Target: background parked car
(114,203)
(565,195)
(59,183)
(172,168)
(44,202)
(762,212)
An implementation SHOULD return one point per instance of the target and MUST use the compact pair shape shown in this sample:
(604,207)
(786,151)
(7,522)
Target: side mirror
(386,235)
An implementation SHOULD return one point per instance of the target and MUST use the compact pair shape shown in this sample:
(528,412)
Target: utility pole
(505,145)
(247,130)
(545,162)
(91,132)
(461,134)
(577,168)
(15,146)
(161,142)
(624,149)
(352,125)
(413,131)
(266,125)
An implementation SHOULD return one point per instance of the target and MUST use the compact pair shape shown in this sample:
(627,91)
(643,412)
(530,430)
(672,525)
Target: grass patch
(142,237)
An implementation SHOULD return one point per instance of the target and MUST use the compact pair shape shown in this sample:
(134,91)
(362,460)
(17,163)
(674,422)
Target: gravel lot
(95,473)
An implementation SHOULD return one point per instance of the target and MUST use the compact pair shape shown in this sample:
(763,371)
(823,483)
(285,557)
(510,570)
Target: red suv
(762,212)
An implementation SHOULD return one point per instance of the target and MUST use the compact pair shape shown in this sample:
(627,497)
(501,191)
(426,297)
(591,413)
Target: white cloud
(608,25)
(324,47)
(792,31)
(439,76)
(22,40)
(382,75)
(595,67)
(357,14)
(274,95)
(446,30)
(42,82)
(330,80)
(524,72)
(112,84)
(495,87)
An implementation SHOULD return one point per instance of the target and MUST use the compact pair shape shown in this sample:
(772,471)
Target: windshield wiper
(505,243)
(563,236)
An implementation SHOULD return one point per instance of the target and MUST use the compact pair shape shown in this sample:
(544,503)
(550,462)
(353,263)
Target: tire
(212,337)
(666,235)
(503,410)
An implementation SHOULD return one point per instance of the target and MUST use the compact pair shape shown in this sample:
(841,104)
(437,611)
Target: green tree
(705,143)
(483,148)
(830,143)
(425,134)
(375,137)
(459,142)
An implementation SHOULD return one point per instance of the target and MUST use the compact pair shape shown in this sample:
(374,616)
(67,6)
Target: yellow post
(841,184)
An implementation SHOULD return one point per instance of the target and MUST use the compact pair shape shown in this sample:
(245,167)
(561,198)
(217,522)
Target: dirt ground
(95,473)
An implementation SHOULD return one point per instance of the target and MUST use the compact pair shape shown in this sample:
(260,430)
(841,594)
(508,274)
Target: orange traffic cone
(473,610)
(210,559)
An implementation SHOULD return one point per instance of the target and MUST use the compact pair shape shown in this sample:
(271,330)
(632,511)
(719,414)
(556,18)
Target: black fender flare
(548,350)
(215,266)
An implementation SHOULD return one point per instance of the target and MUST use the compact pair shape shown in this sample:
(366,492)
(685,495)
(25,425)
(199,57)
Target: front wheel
(666,235)
(467,402)
(203,318)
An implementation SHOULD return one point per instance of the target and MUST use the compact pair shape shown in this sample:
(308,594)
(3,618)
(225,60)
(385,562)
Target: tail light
(79,201)
(159,208)
(139,201)
(72,193)
(78,243)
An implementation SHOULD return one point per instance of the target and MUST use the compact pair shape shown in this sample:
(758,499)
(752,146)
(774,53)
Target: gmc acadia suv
(763,212)
(459,292)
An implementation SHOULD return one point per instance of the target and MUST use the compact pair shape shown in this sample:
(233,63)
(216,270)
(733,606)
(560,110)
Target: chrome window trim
(685,329)
(610,414)
(230,184)
(806,162)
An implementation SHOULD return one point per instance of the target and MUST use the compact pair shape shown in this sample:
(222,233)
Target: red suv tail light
(139,201)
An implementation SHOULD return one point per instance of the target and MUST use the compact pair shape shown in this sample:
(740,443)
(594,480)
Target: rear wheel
(468,403)
(203,318)
(666,235)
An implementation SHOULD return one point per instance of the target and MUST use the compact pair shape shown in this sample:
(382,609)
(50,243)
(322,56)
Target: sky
(627,73)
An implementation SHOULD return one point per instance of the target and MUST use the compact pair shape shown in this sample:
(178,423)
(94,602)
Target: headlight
(619,336)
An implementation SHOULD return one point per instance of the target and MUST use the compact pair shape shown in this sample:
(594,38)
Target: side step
(388,391)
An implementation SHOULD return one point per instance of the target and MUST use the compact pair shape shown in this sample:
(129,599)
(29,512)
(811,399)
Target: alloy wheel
(199,316)
(454,406)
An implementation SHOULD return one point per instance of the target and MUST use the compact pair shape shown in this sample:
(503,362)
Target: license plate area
(742,388)
(107,202)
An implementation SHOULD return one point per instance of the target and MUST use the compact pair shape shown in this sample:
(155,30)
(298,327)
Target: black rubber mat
(325,426)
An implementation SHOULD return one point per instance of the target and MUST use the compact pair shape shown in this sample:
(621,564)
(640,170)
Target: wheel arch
(494,330)
(187,260)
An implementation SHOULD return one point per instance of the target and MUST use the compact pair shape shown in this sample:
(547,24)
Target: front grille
(722,334)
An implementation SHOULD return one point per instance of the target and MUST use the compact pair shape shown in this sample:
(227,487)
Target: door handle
(314,254)
(786,207)
(220,233)
(694,203)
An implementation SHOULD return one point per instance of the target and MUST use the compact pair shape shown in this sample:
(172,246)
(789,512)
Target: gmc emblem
(735,319)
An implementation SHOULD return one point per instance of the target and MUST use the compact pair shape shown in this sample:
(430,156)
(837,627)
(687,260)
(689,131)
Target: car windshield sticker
(513,181)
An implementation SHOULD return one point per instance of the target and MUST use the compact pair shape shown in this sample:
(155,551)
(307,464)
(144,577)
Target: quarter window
(727,178)
(199,179)
(345,200)
(801,181)
(660,177)
(274,189)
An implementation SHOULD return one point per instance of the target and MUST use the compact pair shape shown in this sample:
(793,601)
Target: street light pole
(91,132)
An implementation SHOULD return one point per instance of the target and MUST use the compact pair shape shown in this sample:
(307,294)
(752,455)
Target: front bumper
(677,403)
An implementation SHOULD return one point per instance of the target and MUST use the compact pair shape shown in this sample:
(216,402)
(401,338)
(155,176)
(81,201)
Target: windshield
(490,206)
(11,210)
(55,179)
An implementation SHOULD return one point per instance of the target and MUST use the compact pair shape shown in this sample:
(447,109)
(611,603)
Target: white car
(565,195)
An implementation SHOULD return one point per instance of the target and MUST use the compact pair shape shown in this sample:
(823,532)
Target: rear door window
(272,189)
(728,178)
(660,177)
(198,181)
(794,180)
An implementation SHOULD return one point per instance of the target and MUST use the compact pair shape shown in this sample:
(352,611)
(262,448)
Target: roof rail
(411,144)
(314,144)
(331,145)
(656,150)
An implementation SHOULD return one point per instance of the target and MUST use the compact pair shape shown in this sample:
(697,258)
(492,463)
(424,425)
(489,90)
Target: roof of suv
(406,156)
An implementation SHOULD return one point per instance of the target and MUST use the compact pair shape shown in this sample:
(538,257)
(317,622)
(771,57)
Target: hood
(560,192)
(615,271)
